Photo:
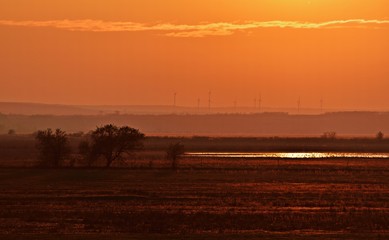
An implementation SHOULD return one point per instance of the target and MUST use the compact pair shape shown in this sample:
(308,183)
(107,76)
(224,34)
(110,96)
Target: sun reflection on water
(286,155)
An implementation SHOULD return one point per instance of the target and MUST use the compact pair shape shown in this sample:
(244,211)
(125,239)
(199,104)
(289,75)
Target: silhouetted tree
(111,142)
(53,147)
(173,153)
(380,136)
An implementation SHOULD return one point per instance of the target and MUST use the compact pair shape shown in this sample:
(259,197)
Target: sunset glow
(194,119)
(142,52)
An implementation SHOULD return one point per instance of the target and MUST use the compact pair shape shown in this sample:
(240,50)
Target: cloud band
(196,30)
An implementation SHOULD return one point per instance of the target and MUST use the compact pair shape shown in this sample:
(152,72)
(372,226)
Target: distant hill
(44,109)
(58,109)
(63,110)
(263,124)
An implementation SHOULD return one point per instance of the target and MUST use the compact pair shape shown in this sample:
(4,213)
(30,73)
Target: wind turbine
(209,100)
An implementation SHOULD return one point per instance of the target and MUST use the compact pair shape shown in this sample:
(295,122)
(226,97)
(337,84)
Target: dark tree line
(108,143)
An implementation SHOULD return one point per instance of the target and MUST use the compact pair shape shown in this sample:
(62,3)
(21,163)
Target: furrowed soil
(286,200)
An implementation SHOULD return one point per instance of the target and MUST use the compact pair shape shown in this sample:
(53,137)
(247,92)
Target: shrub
(11,132)
(173,153)
(379,135)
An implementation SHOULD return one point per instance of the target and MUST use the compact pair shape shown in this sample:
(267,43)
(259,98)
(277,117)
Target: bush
(11,132)
(380,135)
(173,153)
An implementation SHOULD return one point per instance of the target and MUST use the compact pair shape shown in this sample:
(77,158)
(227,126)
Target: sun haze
(141,52)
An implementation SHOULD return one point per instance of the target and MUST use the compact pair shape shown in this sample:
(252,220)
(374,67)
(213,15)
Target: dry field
(295,201)
(215,198)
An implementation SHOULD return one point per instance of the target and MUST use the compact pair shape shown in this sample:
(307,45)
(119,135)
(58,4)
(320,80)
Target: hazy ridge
(27,118)
(20,108)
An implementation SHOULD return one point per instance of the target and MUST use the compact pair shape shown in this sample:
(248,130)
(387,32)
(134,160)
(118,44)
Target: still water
(286,155)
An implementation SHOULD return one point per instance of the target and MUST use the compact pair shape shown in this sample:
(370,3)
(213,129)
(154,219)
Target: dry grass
(269,202)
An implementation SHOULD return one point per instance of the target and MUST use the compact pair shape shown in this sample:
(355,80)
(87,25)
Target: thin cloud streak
(196,30)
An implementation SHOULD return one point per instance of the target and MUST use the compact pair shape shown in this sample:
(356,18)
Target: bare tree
(53,147)
(174,152)
(111,143)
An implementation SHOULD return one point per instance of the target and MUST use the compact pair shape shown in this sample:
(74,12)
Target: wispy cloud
(195,30)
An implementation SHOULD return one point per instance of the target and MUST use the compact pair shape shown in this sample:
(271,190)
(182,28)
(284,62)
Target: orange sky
(142,51)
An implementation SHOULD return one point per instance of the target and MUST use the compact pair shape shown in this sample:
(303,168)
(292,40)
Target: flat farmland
(294,199)
(141,197)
